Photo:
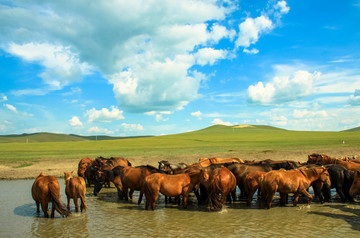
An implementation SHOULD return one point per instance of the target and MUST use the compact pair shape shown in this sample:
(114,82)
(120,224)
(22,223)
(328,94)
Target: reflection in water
(107,216)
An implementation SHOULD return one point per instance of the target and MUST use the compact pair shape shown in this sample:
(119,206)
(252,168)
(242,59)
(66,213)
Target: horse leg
(296,199)
(306,193)
(131,193)
(68,202)
(269,199)
(83,203)
(250,196)
(37,207)
(283,199)
(153,200)
(125,191)
(76,203)
(44,208)
(140,196)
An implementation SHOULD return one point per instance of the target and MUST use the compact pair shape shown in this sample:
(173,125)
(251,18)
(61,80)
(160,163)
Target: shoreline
(57,167)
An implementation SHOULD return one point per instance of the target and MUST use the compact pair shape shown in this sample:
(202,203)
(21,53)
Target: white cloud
(10,107)
(253,51)
(251,29)
(62,67)
(282,7)
(209,56)
(104,114)
(197,114)
(96,129)
(146,52)
(75,121)
(354,99)
(283,89)
(218,121)
(3,98)
(309,114)
(134,127)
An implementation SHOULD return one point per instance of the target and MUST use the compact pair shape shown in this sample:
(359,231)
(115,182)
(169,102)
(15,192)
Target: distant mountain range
(55,137)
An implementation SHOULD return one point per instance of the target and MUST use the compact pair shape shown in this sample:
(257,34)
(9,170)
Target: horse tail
(214,194)
(54,195)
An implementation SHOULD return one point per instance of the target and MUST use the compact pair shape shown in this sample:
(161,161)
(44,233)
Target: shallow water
(108,217)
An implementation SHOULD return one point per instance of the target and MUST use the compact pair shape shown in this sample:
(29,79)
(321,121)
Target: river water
(109,217)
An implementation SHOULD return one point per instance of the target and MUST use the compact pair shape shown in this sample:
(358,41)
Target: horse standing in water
(47,189)
(220,183)
(75,188)
(171,186)
(295,181)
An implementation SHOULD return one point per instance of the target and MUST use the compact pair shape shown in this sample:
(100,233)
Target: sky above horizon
(143,67)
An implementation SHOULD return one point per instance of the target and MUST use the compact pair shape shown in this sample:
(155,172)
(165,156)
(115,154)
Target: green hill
(354,129)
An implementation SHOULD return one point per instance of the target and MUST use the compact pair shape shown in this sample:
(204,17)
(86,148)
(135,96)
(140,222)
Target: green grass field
(212,140)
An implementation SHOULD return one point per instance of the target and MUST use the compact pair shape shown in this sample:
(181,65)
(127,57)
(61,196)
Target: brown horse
(219,184)
(324,159)
(295,181)
(205,162)
(171,186)
(134,178)
(47,189)
(83,164)
(75,188)
(252,181)
(355,187)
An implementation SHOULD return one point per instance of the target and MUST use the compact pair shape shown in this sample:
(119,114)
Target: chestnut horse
(295,181)
(83,164)
(134,178)
(355,187)
(205,162)
(219,184)
(252,181)
(324,159)
(75,188)
(47,189)
(171,186)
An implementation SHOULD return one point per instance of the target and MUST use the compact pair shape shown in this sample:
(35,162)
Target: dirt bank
(56,167)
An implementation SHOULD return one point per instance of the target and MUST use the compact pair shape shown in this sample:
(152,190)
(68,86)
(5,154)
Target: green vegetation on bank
(211,140)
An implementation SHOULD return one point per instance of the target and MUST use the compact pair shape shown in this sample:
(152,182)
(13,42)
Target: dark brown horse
(171,186)
(47,189)
(295,181)
(75,188)
(219,184)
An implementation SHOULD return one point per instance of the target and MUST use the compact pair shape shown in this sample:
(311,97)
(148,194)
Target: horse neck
(311,174)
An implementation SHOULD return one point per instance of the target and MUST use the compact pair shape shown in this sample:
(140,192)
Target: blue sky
(126,68)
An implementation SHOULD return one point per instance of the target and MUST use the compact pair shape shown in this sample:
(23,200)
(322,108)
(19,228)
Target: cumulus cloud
(251,29)
(209,56)
(218,121)
(104,114)
(62,67)
(75,121)
(283,89)
(146,52)
(309,114)
(96,129)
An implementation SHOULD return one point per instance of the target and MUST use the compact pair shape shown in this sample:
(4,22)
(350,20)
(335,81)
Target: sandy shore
(56,167)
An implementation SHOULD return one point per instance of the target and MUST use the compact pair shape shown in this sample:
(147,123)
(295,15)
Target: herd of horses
(213,181)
